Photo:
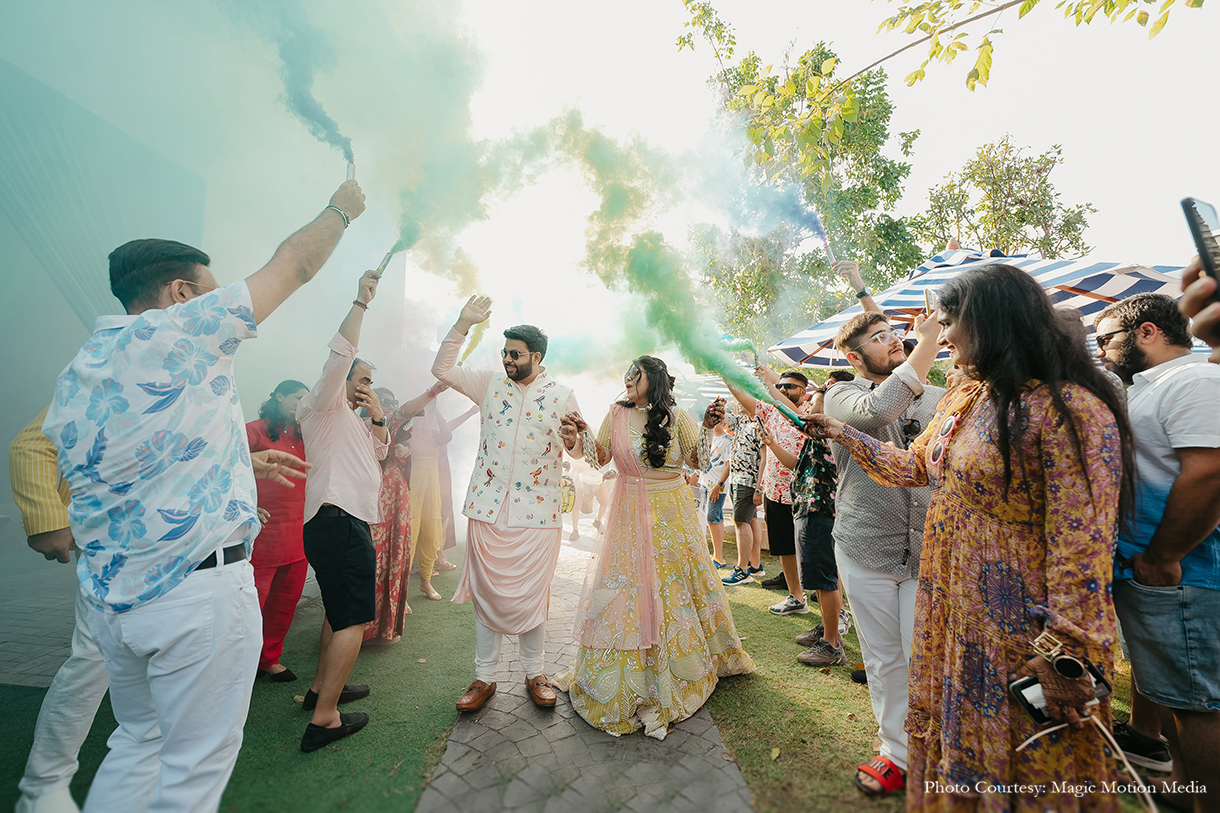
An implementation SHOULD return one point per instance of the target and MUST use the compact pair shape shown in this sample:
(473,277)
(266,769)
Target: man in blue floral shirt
(151,440)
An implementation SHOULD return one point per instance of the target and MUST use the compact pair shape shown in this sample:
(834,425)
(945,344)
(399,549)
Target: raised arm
(471,383)
(850,270)
(465,416)
(304,253)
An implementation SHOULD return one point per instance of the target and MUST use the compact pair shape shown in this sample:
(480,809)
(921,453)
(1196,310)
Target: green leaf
(758,98)
(1158,25)
(1142,19)
(982,66)
(774,754)
(1026,8)
(812,85)
(828,66)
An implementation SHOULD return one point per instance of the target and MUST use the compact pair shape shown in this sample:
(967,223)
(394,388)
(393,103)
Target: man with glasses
(777,478)
(513,501)
(1167,566)
(878,530)
(151,441)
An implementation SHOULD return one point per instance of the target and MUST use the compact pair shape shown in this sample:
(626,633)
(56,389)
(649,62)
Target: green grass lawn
(819,720)
(383,767)
(821,723)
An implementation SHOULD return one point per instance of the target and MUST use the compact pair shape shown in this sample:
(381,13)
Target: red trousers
(279,590)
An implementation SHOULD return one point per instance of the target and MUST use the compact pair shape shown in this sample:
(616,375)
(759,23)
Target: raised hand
(365,397)
(822,426)
(476,310)
(349,198)
(272,464)
(926,329)
(850,271)
(1199,304)
(714,414)
(368,286)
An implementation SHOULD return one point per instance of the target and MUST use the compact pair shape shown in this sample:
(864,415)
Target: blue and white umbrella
(1084,284)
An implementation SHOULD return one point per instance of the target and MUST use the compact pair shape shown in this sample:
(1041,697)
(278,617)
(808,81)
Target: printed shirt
(813,480)
(746,451)
(722,446)
(1171,406)
(152,442)
(777,478)
(344,453)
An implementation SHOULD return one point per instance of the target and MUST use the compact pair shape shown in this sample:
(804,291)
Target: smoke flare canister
(351,170)
(384,262)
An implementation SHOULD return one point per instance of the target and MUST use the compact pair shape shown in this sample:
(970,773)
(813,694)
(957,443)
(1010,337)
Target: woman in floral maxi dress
(1005,558)
(654,622)
(392,537)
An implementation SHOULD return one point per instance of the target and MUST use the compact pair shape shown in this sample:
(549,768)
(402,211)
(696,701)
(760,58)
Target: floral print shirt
(813,480)
(777,478)
(152,442)
(746,451)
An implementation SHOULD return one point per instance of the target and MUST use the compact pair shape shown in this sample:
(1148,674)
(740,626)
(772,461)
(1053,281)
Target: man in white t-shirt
(1167,566)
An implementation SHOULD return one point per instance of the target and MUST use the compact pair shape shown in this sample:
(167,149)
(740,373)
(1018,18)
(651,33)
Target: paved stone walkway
(512,756)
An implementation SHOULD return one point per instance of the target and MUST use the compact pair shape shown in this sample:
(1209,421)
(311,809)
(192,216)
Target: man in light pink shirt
(341,501)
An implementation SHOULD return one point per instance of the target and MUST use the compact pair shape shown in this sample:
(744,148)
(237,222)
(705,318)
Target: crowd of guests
(1007,526)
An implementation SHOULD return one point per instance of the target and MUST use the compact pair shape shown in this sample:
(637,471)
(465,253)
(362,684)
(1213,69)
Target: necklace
(639,408)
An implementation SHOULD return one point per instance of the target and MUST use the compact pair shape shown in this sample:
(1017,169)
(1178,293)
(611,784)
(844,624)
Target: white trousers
(181,673)
(883,606)
(532,646)
(64,722)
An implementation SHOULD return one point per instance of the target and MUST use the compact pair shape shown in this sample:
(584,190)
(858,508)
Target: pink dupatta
(620,607)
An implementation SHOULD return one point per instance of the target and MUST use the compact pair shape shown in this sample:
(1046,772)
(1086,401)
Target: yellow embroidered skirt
(620,690)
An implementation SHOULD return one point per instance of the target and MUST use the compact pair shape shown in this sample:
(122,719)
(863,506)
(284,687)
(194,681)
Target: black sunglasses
(911,429)
(789,386)
(514,354)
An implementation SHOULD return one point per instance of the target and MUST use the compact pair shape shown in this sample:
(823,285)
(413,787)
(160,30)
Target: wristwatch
(376,422)
(863,292)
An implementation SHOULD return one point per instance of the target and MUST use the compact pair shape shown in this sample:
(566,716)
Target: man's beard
(523,371)
(1131,359)
(884,367)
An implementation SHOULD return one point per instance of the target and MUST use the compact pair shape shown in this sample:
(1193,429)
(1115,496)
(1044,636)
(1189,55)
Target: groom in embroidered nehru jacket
(513,500)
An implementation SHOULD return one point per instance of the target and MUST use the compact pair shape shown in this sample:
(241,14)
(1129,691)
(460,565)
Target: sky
(407,78)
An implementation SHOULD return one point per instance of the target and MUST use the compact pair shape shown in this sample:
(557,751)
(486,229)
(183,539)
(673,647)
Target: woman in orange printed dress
(392,538)
(1030,464)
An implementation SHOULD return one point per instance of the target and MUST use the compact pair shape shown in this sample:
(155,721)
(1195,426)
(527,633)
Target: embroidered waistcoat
(520,454)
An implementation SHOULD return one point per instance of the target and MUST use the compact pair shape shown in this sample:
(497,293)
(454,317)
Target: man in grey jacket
(878,530)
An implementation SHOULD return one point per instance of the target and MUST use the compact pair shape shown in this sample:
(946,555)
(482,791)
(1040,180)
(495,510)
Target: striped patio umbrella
(1085,284)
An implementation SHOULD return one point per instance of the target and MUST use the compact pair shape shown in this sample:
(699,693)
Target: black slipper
(287,676)
(350,692)
(317,737)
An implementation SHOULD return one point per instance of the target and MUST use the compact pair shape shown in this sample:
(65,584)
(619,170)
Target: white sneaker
(790,606)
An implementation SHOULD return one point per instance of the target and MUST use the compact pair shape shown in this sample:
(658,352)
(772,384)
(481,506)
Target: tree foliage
(1005,199)
(942,22)
(772,285)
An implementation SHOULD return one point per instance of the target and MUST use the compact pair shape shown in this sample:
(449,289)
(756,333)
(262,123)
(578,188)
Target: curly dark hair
(269,411)
(661,406)
(1158,309)
(1015,334)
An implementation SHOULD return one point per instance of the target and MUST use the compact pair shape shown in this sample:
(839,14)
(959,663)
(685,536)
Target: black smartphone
(1027,691)
(1205,228)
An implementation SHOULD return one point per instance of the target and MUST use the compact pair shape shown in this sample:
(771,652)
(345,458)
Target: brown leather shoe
(540,691)
(476,695)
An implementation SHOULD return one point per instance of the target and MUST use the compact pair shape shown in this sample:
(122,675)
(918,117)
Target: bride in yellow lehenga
(654,623)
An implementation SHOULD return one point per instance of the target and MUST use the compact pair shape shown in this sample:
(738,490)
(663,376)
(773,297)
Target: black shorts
(744,509)
(781,540)
(816,544)
(340,550)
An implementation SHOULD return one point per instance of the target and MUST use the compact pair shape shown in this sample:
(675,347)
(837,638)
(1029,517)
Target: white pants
(883,605)
(532,646)
(64,722)
(181,673)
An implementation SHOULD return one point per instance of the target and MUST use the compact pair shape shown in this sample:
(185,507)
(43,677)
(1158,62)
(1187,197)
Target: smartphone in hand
(1205,228)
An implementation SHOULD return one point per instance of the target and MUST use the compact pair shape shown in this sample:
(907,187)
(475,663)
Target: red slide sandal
(888,775)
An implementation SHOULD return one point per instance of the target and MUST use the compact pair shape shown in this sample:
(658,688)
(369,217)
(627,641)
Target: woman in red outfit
(279,553)
(392,538)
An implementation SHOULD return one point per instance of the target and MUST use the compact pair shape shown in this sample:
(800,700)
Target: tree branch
(938,31)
